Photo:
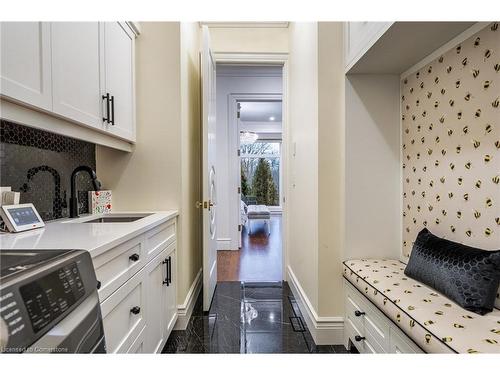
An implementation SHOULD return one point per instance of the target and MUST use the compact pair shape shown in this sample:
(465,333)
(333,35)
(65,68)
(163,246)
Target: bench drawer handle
(359,338)
(359,313)
(135,310)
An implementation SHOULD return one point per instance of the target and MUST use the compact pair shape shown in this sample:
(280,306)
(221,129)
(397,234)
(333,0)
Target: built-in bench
(397,305)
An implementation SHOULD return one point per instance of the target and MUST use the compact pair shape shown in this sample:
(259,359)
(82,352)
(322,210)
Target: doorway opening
(253,248)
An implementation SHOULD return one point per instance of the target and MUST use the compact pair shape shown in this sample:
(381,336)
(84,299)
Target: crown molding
(245,24)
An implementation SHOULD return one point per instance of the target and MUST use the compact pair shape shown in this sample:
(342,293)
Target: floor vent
(297,324)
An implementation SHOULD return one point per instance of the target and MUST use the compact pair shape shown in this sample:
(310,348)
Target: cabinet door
(25,63)
(119,78)
(75,72)
(156,302)
(171,295)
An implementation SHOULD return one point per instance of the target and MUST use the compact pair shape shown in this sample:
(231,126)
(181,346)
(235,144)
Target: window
(260,172)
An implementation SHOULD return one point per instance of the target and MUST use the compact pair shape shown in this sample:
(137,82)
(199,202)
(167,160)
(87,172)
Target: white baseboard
(324,330)
(185,310)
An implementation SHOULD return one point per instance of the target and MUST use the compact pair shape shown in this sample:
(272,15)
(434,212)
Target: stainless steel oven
(49,303)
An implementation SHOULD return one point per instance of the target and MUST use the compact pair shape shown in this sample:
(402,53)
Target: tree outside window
(260,173)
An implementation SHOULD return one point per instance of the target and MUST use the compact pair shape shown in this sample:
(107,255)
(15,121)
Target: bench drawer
(371,321)
(402,345)
(123,314)
(160,237)
(116,266)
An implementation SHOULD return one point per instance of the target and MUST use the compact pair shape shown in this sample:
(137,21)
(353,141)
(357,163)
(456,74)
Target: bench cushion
(431,320)
(258,212)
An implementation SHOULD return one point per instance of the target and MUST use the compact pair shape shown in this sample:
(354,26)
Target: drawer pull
(135,310)
(359,313)
(134,257)
(98,285)
(359,338)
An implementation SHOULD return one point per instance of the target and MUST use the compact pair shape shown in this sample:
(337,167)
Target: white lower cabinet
(369,330)
(161,302)
(123,314)
(138,293)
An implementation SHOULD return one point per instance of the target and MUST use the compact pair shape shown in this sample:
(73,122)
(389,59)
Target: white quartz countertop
(73,234)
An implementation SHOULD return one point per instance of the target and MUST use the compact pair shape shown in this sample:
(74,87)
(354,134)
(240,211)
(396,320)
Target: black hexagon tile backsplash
(39,164)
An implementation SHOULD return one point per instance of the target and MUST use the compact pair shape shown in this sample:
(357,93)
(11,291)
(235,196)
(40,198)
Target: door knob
(359,313)
(199,204)
(359,338)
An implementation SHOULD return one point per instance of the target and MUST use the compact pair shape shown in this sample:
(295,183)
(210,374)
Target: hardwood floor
(260,257)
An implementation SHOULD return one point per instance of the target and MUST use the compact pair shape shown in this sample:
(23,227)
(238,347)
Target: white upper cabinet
(80,71)
(75,72)
(25,63)
(119,79)
(359,37)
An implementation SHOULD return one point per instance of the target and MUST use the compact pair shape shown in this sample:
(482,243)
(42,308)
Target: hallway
(260,256)
(248,318)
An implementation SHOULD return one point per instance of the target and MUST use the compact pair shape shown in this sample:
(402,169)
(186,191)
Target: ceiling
(261,111)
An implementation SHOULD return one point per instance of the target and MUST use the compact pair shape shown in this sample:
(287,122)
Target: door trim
(282,60)
(234,160)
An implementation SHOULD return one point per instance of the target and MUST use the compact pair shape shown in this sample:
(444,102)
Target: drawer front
(137,346)
(400,344)
(121,325)
(350,307)
(372,321)
(160,237)
(116,266)
(368,344)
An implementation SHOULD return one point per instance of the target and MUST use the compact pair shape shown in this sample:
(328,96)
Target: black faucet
(73,199)
(57,203)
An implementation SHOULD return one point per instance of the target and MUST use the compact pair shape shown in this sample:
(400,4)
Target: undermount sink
(110,218)
(115,219)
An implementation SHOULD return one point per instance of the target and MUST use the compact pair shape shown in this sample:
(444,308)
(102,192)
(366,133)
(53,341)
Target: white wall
(251,80)
(373,168)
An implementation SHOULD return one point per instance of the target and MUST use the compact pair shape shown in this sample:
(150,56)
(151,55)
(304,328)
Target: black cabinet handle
(135,310)
(169,270)
(359,338)
(112,100)
(98,284)
(359,313)
(134,257)
(166,262)
(106,119)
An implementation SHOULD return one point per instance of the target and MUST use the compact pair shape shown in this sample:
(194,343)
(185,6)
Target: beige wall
(248,40)
(190,219)
(317,134)
(149,177)
(163,171)
(331,161)
(303,167)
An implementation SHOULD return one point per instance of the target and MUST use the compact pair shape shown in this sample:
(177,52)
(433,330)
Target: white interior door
(209,176)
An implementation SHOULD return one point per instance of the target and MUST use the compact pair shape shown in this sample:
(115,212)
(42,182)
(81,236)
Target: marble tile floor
(248,318)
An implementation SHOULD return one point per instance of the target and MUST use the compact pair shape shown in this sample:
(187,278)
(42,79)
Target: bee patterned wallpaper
(451,145)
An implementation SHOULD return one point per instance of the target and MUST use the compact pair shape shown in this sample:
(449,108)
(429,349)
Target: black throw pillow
(466,275)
